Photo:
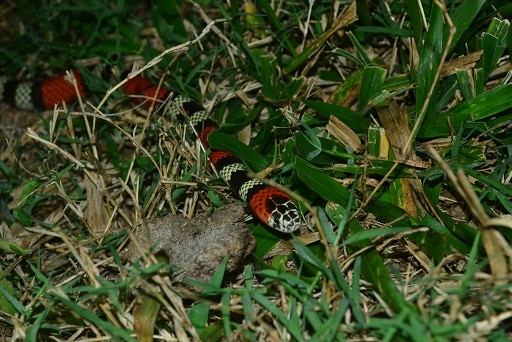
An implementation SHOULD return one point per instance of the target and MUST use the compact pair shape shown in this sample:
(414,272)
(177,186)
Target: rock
(198,245)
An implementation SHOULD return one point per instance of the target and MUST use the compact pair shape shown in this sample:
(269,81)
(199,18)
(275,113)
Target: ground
(388,122)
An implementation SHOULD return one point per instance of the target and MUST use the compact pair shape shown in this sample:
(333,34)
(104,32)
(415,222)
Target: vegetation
(389,120)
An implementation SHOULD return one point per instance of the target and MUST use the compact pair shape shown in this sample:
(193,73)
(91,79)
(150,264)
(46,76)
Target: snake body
(270,205)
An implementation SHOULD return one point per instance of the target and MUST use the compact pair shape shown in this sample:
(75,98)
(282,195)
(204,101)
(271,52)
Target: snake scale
(270,205)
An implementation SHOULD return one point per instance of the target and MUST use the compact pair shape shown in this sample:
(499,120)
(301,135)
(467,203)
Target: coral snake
(270,205)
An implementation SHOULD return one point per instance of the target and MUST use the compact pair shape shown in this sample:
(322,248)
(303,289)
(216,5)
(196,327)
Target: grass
(392,131)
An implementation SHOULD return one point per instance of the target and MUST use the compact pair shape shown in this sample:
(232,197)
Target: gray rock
(198,245)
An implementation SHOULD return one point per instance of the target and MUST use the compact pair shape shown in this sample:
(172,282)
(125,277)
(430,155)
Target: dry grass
(421,268)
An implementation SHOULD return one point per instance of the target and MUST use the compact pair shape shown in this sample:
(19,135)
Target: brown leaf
(344,134)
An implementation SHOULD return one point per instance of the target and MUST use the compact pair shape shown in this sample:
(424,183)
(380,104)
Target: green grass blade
(483,106)
(430,58)
(374,270)
(348,18)
(372,234)
(463,17)
(328,331)
(371,85)
(269,77)
(493,43)
(281,317)
(10,247)
(444,233)
(271,13)
(466,84)
(109,328)
(351,118)
(200,312)
(415,14)
(489,181)
(321,183)
(361,52)
(8,302)
(250,157)
(226,314)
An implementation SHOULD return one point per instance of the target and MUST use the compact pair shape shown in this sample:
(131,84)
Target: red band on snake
(270,205)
